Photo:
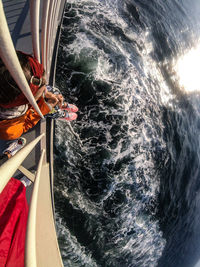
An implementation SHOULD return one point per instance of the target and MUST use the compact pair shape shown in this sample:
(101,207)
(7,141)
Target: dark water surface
(127,189)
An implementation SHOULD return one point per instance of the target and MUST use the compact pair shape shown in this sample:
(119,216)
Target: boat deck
(47,250)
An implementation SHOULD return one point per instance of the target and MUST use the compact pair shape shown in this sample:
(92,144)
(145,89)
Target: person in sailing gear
(17,116)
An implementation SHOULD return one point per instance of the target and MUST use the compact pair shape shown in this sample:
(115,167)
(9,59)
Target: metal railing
(48,33)
(40,213)
(51,33)
(7,50)
(34,15)
(10,166)
(49,22)
(45,12)
(30,254)
(10,59)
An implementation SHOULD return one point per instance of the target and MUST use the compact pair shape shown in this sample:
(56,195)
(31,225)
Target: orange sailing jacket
(14,128)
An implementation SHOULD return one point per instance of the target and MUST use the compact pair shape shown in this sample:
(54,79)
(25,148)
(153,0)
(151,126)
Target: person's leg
(66,106)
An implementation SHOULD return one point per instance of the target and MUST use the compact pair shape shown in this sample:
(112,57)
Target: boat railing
(34,16)
(40,214)
(31,254)
(40,232)
(10,166)
(10,59)
(7,50)
(45,12)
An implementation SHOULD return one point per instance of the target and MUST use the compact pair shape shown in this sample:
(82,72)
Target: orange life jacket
(14,128)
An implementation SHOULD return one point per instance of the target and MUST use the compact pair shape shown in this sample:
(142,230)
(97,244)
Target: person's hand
(53,99)
(60,100)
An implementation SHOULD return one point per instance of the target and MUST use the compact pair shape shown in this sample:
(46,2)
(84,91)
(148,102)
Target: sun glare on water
(188,70)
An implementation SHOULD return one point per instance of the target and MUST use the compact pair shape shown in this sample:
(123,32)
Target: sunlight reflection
(188,70)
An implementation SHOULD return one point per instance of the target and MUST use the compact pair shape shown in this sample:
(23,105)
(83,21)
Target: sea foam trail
(109,163)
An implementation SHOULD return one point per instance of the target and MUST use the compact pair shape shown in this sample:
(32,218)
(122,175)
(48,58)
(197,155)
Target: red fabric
(36,67)
(38,71)
(13,220)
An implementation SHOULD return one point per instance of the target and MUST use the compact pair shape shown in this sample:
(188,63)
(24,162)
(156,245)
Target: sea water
(127,183)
